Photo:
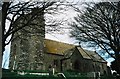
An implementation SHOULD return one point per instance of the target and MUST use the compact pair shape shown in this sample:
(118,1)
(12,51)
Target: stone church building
(31,51)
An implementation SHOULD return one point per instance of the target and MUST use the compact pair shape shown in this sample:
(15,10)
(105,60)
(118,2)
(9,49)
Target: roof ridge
(59,42)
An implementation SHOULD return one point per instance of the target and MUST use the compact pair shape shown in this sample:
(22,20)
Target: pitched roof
(83,53)
(90,55)
(55,47)
(95,56)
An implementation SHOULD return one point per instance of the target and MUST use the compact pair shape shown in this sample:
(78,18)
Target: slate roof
(55,47)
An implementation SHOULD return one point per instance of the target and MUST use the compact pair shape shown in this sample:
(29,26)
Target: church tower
(27,46)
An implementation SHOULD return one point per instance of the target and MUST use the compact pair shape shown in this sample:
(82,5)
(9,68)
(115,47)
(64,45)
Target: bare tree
(99,24)
(22,14)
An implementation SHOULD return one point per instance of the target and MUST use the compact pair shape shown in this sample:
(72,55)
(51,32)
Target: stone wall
(28,46)
(52,61)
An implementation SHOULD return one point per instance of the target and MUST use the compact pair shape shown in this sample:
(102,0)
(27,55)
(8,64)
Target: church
(31,51)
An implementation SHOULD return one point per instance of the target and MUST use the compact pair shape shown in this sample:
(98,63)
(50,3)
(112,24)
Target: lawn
(7,74)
